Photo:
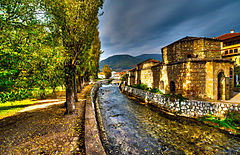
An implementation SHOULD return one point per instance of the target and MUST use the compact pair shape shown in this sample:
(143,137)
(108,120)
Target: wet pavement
(134,128)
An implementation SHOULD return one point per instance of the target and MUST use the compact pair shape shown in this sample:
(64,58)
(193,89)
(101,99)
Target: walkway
(235,99)
(40,106)
(44,129)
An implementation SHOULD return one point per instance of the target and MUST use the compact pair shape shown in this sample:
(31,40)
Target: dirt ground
(45,131)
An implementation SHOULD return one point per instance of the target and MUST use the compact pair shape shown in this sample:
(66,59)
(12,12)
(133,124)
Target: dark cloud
(144,26)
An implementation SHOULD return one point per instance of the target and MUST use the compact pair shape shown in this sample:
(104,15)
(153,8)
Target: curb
(93,144)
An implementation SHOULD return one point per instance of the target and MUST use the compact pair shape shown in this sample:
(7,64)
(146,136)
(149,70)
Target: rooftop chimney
(232,31)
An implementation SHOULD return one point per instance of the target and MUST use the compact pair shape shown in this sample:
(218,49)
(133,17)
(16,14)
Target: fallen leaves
(44,131)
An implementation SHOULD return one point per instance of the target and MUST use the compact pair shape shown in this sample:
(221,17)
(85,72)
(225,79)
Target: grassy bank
(230,122)
(11,107)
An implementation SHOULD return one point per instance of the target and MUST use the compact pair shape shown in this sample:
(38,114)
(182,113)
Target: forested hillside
(122,62)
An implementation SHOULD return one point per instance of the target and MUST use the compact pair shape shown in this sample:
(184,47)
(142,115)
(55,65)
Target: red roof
(150,60)
(120,73)
(228,36)
(132,69)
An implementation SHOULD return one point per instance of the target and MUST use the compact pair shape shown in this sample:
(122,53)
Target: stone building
(192,66)
(143,73)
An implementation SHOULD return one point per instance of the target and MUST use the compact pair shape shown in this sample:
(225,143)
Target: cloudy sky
(138,27)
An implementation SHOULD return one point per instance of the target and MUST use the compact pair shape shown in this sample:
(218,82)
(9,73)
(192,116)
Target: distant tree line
(48,43)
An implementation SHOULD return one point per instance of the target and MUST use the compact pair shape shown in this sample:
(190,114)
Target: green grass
(231,121)
(48,91)
(11,107)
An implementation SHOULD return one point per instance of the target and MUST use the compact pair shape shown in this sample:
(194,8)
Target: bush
(145,87)
(141,86)
(155,90)
(233,118)
(15,95)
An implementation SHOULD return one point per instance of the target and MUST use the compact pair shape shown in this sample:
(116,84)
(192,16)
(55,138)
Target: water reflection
(133,128)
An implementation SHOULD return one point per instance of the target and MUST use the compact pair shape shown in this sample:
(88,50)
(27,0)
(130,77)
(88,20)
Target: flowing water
(134,128)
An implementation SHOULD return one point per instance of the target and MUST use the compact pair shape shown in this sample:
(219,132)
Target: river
(135,128)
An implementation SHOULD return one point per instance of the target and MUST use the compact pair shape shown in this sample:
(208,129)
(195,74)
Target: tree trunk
(54,90)
(81,82)
(78,84)
(75,88)
(54,94)
(70,104)
(42,93)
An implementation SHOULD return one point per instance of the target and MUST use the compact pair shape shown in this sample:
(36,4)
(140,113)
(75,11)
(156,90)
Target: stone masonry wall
(178,74)
(156,76)
(186,108)
(147,77)
(197,80)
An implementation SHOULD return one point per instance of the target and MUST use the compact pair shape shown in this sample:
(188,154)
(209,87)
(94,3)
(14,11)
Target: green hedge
(15,95)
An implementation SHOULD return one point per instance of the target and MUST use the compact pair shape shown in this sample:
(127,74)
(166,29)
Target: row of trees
(48,43)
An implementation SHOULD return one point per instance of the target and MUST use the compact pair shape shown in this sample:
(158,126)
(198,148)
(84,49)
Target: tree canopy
(107,71)
(47,43)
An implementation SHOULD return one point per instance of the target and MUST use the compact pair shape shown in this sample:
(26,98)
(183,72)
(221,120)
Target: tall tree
(77,21)
(30,56)
(107,71)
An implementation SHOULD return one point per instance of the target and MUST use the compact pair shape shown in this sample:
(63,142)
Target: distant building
(101,75)
(113,73)
(143,73)
(230,46)
(231,49)
(192,66)
(117,75)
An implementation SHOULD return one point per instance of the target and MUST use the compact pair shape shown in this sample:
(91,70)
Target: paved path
(236,98)
(44,129)
(40,106)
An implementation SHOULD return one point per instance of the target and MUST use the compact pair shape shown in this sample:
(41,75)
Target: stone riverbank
(188,108)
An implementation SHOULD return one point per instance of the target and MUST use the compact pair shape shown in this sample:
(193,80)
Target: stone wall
(189,78)
(147,77)
(176,73)
(188,108)
(156,76)
(197,80)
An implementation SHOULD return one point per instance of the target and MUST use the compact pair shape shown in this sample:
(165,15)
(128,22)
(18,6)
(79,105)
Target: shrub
(233,118)
(155,90)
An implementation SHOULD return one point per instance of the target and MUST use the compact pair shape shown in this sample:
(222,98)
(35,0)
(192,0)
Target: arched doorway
(172,87)
(221,85)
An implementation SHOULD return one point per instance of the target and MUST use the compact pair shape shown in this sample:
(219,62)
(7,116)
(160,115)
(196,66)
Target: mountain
(150,56)
(124,62)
